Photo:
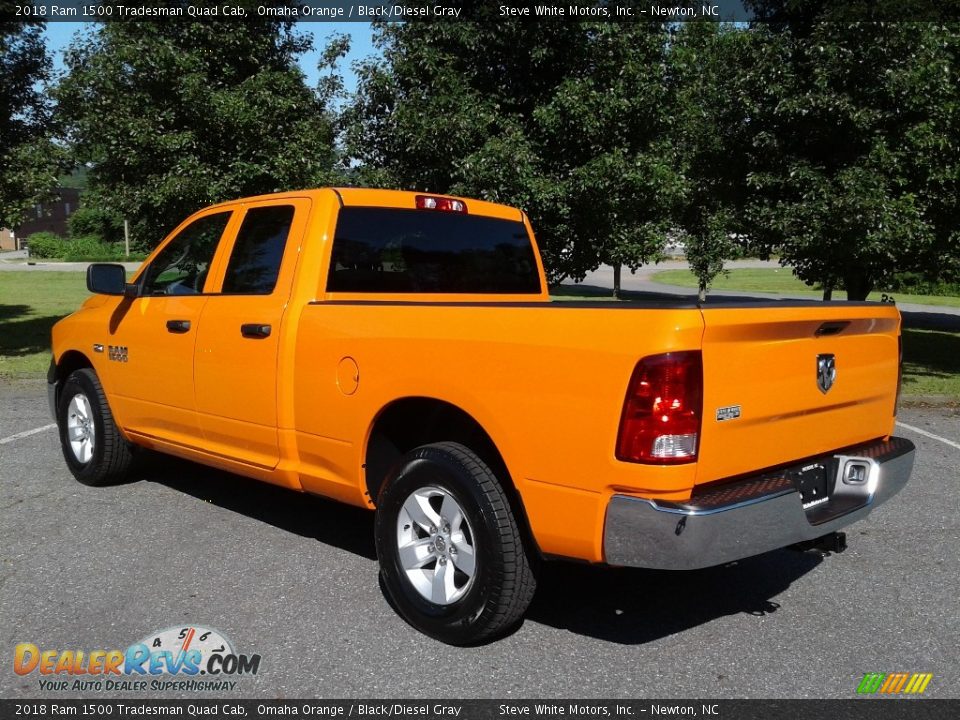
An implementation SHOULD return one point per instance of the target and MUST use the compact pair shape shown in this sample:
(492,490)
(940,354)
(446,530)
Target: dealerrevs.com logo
(190,658)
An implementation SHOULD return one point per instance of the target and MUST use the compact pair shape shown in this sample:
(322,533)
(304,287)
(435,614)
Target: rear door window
(258,251)
(389,250)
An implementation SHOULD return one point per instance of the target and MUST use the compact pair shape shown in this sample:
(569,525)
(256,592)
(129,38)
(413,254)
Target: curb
(930,401)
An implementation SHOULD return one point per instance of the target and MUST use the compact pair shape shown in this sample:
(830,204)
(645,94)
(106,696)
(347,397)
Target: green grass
(931,363)
(752,279)
(773,280)
(30,304)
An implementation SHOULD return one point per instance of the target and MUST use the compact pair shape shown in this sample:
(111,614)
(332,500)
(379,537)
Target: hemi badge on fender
(731,412)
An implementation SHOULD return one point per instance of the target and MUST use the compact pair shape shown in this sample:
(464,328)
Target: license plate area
(814,484)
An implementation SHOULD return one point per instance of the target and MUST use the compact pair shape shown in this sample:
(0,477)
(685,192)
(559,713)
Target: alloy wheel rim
(436,545)
(81,430)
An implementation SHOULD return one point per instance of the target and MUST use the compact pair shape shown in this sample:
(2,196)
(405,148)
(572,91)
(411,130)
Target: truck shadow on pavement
(620,605)
(330,522)
(633,606)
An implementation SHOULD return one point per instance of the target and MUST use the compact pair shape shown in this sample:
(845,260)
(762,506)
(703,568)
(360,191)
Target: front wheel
(452,558)
(95,451)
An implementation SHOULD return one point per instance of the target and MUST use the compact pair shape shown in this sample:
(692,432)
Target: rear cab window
(407,251)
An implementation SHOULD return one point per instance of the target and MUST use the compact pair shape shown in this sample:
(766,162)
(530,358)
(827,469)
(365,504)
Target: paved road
(40,266)
(294,578)
(19,261)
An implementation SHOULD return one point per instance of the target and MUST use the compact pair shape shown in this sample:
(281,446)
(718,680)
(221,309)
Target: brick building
(50,216)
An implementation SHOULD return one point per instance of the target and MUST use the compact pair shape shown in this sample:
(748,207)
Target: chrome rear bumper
(754,515)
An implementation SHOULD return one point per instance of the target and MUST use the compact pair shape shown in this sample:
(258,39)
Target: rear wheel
(452,558)
(95,451)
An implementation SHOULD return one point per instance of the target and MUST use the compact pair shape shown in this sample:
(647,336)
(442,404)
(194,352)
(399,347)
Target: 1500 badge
(117,352)
(731,412)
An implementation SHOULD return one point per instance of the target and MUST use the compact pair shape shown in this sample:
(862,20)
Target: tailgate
(770,396)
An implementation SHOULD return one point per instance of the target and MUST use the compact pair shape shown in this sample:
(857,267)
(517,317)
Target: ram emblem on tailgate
(826,371)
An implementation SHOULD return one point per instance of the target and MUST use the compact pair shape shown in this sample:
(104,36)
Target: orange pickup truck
(400,352)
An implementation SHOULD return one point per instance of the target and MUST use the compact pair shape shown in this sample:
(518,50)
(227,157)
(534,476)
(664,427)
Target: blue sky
(59,35)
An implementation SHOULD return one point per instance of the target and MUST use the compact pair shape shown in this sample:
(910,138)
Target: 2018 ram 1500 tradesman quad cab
(400,352)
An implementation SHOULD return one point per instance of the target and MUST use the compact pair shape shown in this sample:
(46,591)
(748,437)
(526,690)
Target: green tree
(566,120)
(95,222)
(854,149)
(29,159)
(935,150)
(173,116)
(711,131)
(608,130)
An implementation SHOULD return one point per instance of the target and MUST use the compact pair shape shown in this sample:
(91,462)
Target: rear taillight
(432,202)
(663,409)
(896,403)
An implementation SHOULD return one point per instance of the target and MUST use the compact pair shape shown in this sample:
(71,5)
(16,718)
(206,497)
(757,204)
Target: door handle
(255,330)
(178,326)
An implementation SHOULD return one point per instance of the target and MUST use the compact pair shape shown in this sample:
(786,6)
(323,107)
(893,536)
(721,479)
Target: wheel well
(409,423)
(71,360)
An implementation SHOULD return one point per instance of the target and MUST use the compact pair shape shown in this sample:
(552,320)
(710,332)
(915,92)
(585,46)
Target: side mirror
(109,279)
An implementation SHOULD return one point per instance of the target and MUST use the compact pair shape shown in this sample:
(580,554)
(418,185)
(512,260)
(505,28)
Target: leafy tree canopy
(29,160)
(854,150)
(174,116)
(712,130)
(567,120)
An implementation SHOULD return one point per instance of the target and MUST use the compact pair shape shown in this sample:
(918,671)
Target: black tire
(502,584)
(111,454)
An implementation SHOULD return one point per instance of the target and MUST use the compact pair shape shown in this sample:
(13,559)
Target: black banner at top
(488,10)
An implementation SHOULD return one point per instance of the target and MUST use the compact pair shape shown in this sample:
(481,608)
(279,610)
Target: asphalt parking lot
(294,579)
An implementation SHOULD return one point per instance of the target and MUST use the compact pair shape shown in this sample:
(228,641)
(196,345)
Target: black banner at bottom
(856,709)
